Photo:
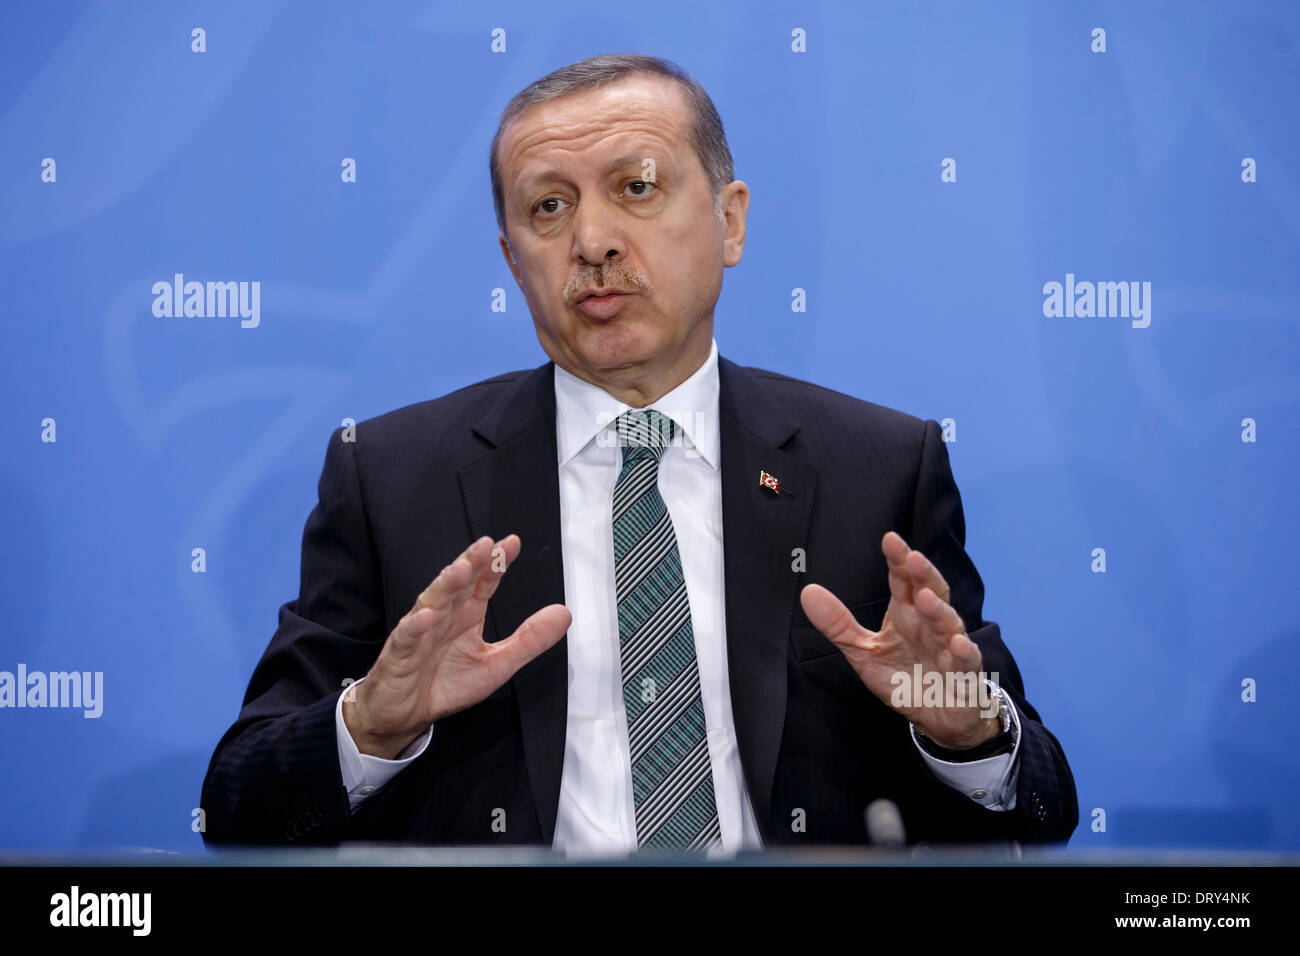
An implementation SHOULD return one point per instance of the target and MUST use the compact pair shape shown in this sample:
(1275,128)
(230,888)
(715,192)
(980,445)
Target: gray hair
(706,135)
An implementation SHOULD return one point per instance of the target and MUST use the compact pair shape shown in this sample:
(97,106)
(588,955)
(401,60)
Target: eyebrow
(549,175)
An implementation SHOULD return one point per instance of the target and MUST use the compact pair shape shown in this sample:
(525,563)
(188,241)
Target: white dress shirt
(596,814)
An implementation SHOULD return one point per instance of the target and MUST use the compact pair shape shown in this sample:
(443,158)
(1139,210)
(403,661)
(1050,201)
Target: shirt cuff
(363,774)
(990,782)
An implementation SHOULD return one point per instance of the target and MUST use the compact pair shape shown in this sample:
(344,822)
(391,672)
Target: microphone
(885,831)
(884,824)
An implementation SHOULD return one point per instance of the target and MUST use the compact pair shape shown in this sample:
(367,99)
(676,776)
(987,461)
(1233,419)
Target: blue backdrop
(921,170)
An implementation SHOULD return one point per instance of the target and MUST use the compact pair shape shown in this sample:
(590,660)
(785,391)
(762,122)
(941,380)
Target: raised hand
(435,662)
(919,627)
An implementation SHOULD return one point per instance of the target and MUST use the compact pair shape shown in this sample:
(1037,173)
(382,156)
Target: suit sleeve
(1046,807)
(275,776)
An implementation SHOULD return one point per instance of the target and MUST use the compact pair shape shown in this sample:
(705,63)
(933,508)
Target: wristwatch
(1003,742)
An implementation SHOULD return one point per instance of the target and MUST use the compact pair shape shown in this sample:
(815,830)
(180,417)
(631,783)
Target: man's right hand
(435,662)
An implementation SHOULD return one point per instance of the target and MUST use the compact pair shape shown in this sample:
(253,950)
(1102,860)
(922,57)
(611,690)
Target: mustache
(614,278)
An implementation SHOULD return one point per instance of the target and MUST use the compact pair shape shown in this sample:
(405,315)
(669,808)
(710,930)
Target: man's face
(603,191)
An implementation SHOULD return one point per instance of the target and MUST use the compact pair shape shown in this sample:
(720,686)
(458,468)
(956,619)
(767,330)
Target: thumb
(540,632)
(828,614)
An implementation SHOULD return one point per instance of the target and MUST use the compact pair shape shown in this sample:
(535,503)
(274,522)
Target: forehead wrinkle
(661,154)
(575,122)
(645,118)
(621,162)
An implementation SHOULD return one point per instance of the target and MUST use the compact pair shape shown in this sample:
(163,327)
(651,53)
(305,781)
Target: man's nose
(596,234)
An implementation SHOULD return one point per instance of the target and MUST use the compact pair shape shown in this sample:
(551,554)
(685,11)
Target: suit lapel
(515,488)
(760,532)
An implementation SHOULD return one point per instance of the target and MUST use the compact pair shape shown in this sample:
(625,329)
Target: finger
(924,574)
(442,592)
(829,615)
(941,618)
(411,631)
(966,655)
(948,632)
(539,632)
(480,556)
(500,558)
(896,551)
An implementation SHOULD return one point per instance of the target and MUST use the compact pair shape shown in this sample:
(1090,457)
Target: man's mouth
(601,303)
(601,294)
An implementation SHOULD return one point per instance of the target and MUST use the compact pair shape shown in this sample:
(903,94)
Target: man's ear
(735,207)
(510,260)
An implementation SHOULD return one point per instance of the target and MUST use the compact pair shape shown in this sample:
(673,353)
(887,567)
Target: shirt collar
(583,410)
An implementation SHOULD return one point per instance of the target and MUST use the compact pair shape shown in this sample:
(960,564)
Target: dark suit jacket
(419,484)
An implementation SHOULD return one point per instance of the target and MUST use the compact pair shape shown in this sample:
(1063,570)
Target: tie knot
(649,429)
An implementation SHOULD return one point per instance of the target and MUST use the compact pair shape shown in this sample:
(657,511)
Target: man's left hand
(919,627)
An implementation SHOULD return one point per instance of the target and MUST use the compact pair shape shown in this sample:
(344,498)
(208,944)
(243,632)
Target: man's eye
(540,206)
(641,182)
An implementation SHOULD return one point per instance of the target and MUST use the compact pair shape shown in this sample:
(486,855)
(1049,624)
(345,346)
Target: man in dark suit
(681,603)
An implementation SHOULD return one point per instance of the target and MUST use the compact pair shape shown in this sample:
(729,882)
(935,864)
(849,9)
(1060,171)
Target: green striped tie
(672,781)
